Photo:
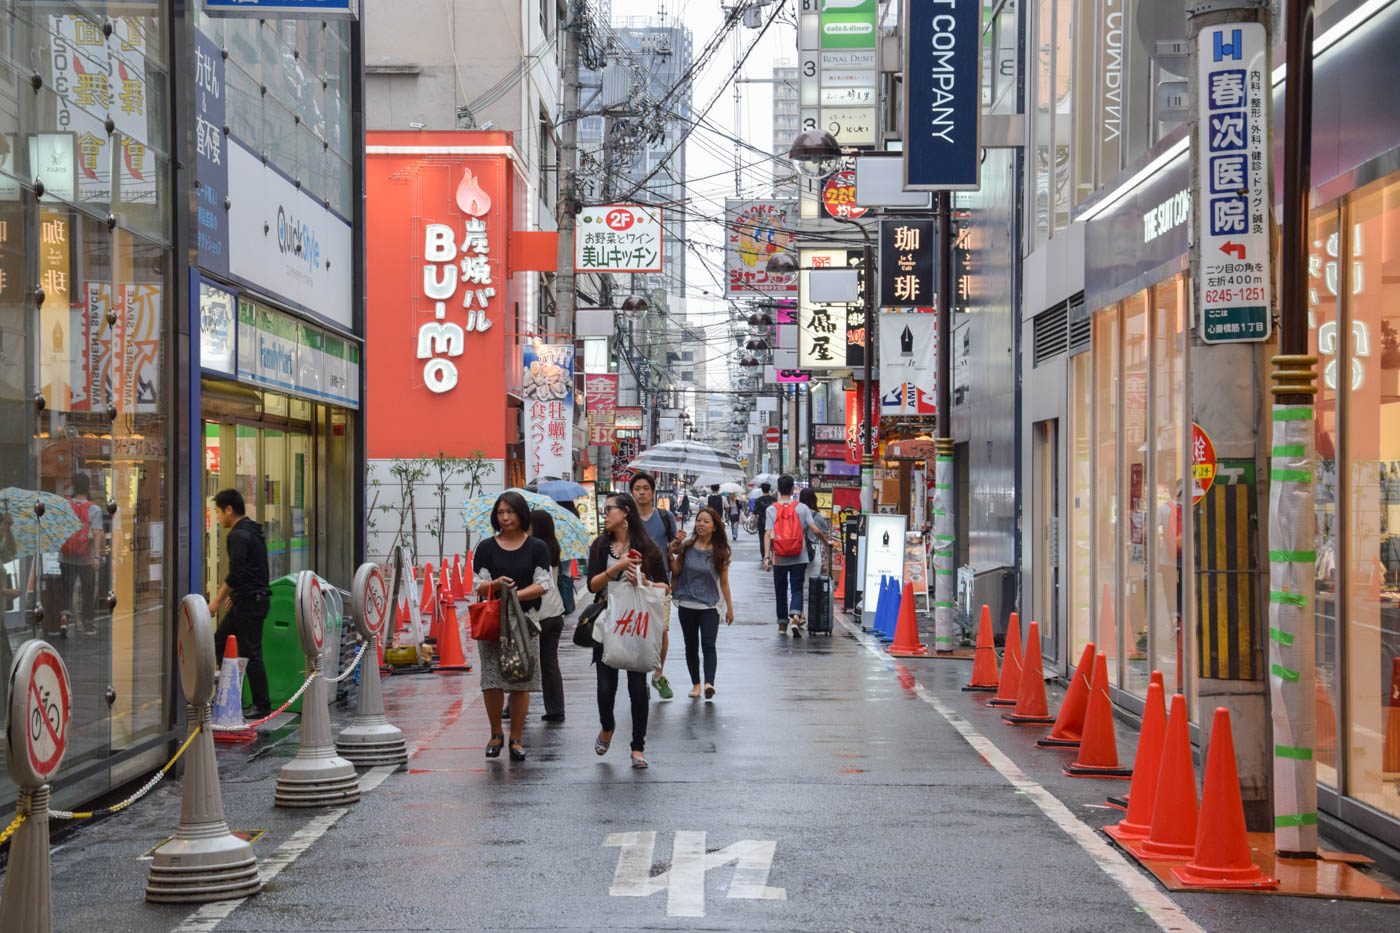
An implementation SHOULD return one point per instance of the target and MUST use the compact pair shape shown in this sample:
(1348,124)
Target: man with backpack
(787,523)
(78,560)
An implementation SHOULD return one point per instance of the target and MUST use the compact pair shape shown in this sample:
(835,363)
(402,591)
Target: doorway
(1046,541)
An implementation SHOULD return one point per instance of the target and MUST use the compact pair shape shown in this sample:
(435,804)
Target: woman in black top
(510,559)
(609,562)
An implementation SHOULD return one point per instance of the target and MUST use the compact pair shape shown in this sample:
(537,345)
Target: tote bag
(486,619)
(634,626)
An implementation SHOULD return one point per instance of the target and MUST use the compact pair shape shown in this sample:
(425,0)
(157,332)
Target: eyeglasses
(609,508)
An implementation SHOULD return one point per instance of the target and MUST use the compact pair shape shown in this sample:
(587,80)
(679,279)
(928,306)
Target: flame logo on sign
(471,197)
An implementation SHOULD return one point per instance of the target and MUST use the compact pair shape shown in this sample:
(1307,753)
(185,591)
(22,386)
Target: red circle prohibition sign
(42,713)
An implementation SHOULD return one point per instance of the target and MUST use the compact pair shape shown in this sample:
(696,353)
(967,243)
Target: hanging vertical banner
(211,155)
(756,231)
(906,263)
(855,424)
(548,391)
(942,95)
(821,328)
(908,363)
(601,391)
(1232,206)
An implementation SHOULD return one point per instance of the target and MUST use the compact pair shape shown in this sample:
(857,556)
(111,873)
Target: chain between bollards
(351,669)
(145,789)
(14,825)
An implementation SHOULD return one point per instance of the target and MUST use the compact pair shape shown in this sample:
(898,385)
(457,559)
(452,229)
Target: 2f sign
(684,883)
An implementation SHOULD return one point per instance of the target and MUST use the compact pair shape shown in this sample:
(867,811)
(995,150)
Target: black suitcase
(819,608)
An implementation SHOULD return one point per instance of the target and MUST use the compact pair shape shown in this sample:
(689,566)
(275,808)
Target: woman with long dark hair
(551,619)
(700,576)
(511,559)
(622,553)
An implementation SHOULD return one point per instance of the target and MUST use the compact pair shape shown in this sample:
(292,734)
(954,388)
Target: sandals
(709,691)
(639,763)
(517,751)
(493,747)
(694,692)
(600,746)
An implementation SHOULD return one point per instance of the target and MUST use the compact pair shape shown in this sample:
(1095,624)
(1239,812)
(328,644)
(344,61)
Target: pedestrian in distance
(700,574)
(683,509)
(785,553)
(512,559)
(760,507)
(715,501)
(661,528)
(736,515)
(623,555)
(819,538)
(246,592)
(550,616)
(79,559)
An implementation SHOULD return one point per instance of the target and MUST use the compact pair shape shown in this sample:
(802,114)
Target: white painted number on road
(684,884)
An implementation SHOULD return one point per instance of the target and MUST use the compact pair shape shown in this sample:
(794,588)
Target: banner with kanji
(601,391)
(548,390)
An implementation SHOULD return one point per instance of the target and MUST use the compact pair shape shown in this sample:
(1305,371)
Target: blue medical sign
(942,95)
(341,8)
(1236,282)
(211,155)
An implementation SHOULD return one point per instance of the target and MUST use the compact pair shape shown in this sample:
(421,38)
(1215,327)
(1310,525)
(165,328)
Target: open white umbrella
(732,487)
(688,458)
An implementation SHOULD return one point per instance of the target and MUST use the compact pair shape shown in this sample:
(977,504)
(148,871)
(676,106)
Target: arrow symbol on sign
(1233,249)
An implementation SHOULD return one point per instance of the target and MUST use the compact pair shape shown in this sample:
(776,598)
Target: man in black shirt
(760,510)
(246,592)
(716,501)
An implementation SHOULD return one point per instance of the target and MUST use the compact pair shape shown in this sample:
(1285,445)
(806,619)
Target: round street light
(815,153)
(748,361)
(782,263)
(756,343)
(634,304)
(759,319)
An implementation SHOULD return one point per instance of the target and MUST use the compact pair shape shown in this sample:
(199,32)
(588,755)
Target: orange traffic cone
(450,657)
(1098,749)
(425,604)
(1222,848)
(1031,709)
(1390,749)
(1121,800)
(1174,815)
(1010,684)
(1142,792)
(459,590)
(1069,724)
(984,658)
(906,642)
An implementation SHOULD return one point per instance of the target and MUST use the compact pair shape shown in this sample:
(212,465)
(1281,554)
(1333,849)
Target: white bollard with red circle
(36,737)
(371,739)
(317,776)
(204,860)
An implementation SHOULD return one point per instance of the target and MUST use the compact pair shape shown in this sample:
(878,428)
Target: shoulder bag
(517,629)
(583,629)
(485,617)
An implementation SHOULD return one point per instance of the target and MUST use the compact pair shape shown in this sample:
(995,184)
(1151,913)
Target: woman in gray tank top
(699,579)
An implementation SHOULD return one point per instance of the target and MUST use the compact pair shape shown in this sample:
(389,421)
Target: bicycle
(751,524)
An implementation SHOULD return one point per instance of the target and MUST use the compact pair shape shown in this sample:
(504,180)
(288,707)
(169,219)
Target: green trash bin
(281,646)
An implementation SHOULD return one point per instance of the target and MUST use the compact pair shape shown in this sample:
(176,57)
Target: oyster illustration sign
(547,386)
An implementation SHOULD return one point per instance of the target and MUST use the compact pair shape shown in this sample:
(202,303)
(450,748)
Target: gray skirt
(489,654)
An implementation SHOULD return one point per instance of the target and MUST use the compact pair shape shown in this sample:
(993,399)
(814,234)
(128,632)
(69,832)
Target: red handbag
(485,617)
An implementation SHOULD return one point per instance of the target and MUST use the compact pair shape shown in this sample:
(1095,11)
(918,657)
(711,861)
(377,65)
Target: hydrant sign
(1202,463)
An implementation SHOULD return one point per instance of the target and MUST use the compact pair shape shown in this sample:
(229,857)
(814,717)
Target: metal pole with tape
(36,738)
(317,777)
(944,622)
(204,860)
(371,739)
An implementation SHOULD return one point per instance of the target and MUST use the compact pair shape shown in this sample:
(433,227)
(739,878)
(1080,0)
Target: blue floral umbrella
(574,537)
(35,533)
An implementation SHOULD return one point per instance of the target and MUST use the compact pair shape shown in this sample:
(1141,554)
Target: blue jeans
(785,578)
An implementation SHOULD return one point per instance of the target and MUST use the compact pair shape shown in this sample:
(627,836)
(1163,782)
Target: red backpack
(79,543)
(788,539)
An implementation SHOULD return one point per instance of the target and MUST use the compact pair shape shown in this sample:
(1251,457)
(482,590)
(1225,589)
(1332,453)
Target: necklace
(612,549)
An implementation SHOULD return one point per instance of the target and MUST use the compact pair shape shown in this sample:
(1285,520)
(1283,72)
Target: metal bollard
(317,777)
(204,861)
(371,739)
(36,737)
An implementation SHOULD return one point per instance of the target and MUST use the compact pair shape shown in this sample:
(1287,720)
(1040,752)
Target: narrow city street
(824,788)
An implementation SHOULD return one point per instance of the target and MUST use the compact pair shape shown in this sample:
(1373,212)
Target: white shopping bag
(635,623)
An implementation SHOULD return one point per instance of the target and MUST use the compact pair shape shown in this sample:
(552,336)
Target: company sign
(618,238)
(942,94)
(285,242)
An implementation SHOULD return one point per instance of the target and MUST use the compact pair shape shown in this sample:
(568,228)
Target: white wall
(385,489)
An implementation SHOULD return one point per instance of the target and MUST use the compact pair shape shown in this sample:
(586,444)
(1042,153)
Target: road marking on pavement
(1165,912)
(212,914)
(684,883)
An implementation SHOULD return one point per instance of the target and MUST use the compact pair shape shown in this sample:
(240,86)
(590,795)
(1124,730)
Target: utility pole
(565,287)
(1225,379)
(944,501)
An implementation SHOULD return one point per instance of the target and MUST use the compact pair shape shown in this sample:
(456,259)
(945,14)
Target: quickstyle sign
(942,95)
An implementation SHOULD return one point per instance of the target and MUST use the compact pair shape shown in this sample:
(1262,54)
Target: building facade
(786,126)
(134,381)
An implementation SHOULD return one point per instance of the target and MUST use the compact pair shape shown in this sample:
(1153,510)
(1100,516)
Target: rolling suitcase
(819,609)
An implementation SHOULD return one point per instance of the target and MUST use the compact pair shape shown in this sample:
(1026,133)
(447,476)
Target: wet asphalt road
(830,794)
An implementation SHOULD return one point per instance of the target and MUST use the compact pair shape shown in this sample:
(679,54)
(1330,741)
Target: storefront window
(1324,287)
(1136,493)
(1372,246)
(1168,389)
(1106,528)
(1081,477)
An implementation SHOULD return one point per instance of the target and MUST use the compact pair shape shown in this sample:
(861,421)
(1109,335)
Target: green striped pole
(944,555)
(1292,561)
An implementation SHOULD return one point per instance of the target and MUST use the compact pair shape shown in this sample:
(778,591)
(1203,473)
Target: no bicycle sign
(40,710)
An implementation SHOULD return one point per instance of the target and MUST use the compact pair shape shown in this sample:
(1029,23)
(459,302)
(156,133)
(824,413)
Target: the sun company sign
(942,94)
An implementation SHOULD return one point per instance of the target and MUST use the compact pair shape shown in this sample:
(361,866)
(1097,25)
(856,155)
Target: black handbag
(583,629)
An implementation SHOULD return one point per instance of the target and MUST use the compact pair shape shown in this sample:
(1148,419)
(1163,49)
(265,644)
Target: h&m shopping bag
(635,624)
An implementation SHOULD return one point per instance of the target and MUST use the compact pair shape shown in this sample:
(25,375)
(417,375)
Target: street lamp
(817,154)
(781,264)
(634,304)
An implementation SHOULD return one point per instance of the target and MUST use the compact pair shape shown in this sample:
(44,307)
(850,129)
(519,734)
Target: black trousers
(700,628)
(245,622)
(607,697)
(79,583)
(551,678)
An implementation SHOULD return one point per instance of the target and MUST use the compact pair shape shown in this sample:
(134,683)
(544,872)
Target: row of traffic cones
(896,620)
(1162,820)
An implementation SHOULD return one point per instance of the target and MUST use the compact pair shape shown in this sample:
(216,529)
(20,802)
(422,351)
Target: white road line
(212,914)
(1165,912)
